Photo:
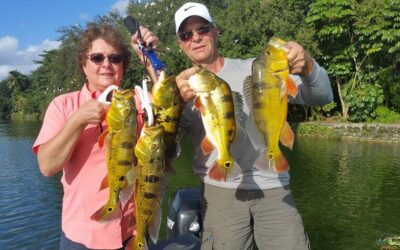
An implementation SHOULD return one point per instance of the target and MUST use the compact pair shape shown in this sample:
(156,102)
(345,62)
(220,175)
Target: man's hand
(300,63)
(182,81)
(148,38)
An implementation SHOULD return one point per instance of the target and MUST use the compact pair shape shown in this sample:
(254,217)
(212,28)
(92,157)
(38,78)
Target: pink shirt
(81,179)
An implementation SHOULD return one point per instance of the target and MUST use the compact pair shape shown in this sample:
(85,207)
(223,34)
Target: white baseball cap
(191,9)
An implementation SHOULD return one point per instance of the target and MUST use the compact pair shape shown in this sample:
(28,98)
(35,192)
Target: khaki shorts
(232,218)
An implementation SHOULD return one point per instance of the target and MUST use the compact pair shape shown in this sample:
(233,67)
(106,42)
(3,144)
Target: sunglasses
(99,58)
(202,30)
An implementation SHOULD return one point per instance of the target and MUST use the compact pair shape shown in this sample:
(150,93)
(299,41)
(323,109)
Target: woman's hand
(91,112)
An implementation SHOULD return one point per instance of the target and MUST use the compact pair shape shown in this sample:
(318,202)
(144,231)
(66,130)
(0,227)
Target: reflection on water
(347,192)
(30,204)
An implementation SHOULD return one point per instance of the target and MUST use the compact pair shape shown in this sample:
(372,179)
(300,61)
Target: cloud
(121,6)
(84,16)
(22,60)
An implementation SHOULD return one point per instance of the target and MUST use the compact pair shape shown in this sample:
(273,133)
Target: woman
(68,141)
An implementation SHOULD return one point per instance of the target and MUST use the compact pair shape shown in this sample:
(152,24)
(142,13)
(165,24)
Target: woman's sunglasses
(99,58)
(186,36)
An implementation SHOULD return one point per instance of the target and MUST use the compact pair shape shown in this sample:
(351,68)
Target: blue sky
(27,27)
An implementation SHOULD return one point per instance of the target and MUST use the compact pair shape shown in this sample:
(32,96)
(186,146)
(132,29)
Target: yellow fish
(267,89)
(167,106)
(214,100)
(150,185)
(120,139)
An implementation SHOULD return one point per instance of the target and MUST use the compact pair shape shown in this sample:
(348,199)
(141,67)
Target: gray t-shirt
(247,146)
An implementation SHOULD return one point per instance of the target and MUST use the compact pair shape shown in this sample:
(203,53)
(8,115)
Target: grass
(184,178)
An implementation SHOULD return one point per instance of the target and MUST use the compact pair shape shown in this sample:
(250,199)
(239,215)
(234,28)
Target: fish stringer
(145,100)
(105,96)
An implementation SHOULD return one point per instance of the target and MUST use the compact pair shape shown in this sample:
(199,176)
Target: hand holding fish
(182,81)
(91,112)
(300,63)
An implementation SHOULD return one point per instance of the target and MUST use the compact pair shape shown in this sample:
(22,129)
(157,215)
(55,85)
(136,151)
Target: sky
(29,27)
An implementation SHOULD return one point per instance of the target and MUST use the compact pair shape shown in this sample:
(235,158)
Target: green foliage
(385,115)
(315,129)
(318,112)
(363,100)
(333,21)
(357,42)
(244,33)
(5,103)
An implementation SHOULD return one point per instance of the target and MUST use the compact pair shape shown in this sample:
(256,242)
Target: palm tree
(17,81)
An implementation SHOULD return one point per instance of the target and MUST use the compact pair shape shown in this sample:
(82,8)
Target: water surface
(348,192)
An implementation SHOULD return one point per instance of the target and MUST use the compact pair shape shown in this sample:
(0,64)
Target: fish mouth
(277,43)
(197,85)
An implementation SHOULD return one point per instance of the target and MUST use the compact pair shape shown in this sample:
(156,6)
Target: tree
(333,21)
(17,81)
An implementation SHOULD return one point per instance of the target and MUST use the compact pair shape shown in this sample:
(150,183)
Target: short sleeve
(53,121)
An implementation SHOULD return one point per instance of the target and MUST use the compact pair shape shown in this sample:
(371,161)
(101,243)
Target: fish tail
(276,161)
(273,161)
(105,214)
(281,163)
(220,169)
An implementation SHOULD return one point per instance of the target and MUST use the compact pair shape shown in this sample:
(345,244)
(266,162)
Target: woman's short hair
(108,34)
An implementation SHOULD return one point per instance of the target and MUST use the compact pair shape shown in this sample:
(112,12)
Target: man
(258,204)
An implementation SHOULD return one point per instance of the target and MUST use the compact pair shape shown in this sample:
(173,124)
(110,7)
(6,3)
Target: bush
(363,101)
(385,115)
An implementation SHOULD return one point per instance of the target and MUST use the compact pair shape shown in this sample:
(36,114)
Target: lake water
(348,192)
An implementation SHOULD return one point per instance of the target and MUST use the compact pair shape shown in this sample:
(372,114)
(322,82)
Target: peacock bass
(214,100)
(267,89)
(150,185)
(167,107)
(120,139)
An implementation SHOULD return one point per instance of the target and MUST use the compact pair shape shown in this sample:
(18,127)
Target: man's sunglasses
(202,30)
(99,58)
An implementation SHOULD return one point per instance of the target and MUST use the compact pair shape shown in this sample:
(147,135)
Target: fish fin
(264,164)
(168,167)
(277,164)
(131,176)
(105,213)
(197,103)
(287,136)
(234,173)
(131,243)
(206,146)
(104,183)
(219,170)
(126,193)
(237,103)
(256,138)
(102,138)
(248,91)
(291,87)
(281,164)
(154,227)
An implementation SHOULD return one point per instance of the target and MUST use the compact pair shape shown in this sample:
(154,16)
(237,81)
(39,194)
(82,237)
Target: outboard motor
(183,221)
(184,215)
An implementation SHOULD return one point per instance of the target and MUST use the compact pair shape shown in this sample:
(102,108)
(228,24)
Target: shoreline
(353,131)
